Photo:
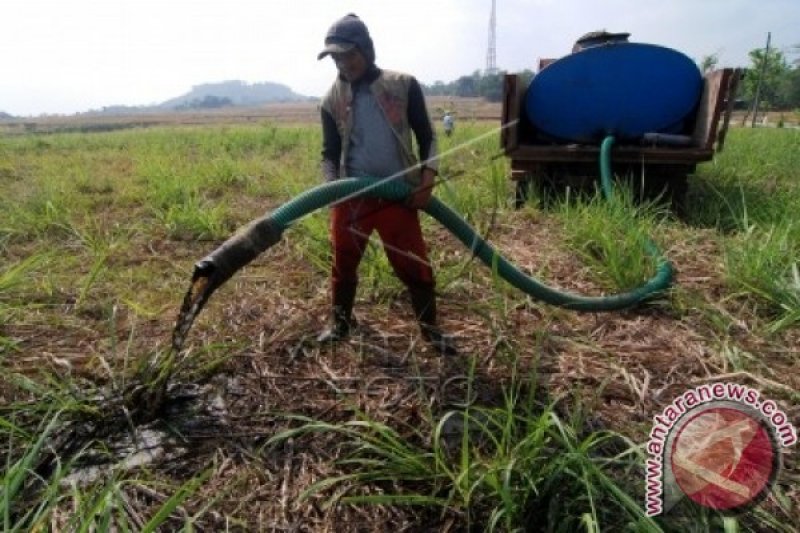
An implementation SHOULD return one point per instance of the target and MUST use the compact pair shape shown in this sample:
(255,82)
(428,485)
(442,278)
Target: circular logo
(723,457)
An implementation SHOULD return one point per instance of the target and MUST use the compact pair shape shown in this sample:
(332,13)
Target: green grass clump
(511,467)
(31,500)
(764,263)
(13,277)
(613,237)
(751,195)
(754,181)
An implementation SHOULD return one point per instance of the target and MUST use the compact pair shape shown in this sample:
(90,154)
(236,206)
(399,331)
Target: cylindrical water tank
(620,89)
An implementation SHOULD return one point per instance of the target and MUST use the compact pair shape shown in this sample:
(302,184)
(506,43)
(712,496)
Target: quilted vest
(390,90)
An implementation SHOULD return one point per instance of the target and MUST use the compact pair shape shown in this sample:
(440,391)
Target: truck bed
(527,149)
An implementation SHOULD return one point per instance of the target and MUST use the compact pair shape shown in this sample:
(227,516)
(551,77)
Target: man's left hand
(420,197)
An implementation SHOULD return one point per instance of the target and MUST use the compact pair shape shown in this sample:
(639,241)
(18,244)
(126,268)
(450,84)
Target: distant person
(597,38)
(589,40)
(449,123)
(368,116)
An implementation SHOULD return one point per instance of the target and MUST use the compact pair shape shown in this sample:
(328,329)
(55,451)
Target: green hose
(331,192)
(263,233)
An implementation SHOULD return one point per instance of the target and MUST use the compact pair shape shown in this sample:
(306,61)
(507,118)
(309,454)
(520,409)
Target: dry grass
(621,368)
(280,113)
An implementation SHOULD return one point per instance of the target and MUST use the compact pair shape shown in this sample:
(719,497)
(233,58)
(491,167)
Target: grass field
(541,421)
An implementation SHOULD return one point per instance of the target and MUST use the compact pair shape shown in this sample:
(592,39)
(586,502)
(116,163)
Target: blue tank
(622,89)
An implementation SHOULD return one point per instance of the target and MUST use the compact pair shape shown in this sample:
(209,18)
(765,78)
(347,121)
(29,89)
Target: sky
(68,56)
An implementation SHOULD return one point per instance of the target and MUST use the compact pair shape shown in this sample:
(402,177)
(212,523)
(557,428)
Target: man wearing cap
(598,38)
(449,123)
(368,116)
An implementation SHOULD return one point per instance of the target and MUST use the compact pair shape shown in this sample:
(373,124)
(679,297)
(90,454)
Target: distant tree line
(480,85)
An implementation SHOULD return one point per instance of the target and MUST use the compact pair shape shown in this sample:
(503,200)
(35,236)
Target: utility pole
(491,53)
(760,80)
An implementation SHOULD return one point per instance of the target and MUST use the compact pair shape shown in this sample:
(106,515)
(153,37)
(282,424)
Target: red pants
(353,221)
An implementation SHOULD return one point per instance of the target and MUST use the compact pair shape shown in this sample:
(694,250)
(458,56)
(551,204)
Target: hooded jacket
(398,95)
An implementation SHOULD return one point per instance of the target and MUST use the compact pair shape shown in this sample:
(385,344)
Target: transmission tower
(491,56)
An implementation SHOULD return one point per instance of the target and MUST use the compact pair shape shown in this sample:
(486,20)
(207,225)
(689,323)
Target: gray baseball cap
(335,47)
(347,33)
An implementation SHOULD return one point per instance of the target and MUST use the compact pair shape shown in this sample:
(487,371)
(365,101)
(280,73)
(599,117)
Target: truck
(657,166)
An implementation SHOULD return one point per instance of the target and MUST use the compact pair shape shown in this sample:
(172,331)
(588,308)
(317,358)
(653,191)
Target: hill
(234,92)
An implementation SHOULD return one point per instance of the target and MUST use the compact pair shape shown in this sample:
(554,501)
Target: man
(449,123)
(367,119)
(598,38)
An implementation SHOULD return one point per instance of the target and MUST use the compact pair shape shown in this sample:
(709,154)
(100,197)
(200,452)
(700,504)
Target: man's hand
(420,197)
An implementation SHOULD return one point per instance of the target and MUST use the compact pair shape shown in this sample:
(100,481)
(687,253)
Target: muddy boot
(344,294)
(423,300)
